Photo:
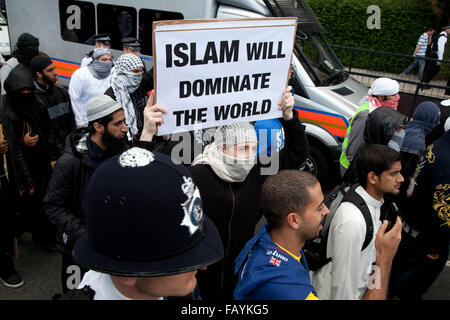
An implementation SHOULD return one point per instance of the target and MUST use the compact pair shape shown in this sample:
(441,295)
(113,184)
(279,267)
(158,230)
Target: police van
(326,97)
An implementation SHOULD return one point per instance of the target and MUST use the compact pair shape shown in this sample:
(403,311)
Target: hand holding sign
(286,104)
(153,117)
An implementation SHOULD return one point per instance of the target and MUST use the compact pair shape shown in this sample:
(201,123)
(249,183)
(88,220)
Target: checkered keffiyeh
(127,62)
(123,83)
(236,133)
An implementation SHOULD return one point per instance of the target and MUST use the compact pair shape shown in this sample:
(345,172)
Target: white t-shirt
(83,86)
(441,45)
(346,276)
(103,286)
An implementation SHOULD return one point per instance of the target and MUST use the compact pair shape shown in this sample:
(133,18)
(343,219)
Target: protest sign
(217,72)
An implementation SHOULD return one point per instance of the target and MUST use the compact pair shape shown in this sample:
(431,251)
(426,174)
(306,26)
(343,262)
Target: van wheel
(317,165)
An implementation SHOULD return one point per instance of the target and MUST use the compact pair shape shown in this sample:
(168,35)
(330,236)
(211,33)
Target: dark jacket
(32,164)
(64,200)
(427,208)
(234,209)
(56,101)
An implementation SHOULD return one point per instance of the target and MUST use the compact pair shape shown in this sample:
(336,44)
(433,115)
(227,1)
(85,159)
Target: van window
(77,20)
(119,21)
(146,18)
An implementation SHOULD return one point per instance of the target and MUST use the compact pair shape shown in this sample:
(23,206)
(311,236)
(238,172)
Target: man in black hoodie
(27,48)
(29,134)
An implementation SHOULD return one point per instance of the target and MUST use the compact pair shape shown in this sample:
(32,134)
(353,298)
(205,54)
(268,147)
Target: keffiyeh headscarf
(228,168)
(124,82)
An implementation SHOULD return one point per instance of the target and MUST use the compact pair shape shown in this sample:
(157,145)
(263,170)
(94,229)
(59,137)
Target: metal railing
(419,84)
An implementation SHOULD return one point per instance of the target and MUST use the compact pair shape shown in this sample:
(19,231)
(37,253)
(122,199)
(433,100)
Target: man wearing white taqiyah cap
(383,92)
(86,149)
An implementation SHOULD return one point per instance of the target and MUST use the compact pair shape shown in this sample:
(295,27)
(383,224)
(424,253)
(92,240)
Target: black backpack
(432,49)
(315,250)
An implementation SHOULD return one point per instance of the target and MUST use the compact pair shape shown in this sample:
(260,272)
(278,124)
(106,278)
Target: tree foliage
(402,23)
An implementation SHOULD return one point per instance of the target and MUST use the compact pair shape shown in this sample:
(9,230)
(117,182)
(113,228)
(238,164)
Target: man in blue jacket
(272,265)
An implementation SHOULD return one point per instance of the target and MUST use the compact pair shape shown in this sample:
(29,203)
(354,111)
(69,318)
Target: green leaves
(402,23)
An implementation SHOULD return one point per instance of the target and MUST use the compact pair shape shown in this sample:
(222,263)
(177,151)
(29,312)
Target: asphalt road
(40,270)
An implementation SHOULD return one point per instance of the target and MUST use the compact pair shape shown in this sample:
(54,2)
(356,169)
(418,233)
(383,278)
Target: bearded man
(86,149)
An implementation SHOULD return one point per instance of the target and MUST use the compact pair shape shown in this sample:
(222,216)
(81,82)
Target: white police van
(5,49)
(325,95)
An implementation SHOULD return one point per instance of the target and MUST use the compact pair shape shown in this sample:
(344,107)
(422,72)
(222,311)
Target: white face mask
(228,168)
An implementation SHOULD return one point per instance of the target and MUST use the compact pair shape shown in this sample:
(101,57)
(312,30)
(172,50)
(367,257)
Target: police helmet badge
(192,207)
(136,157)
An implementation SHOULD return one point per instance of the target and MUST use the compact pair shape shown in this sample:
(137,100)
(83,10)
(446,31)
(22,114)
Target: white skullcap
(447,124)
(445,103)
(384,87)
(100,106)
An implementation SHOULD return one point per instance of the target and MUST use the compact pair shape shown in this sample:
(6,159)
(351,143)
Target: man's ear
(99,128)
(372,178)
(39,75)
(126,281)
(294,220)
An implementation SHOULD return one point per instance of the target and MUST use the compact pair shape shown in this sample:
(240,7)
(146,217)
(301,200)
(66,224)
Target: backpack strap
(85,293)
(353,197)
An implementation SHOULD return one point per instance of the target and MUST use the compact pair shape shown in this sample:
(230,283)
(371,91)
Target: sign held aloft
(217,72)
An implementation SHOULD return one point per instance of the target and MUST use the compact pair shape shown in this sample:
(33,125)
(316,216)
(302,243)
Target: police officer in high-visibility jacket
(382,93)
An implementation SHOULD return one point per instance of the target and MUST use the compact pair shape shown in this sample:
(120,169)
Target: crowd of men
(86,173)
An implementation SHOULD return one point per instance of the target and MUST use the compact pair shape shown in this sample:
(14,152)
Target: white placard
(217,72)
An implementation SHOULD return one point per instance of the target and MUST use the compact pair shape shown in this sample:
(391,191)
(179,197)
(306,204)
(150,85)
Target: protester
(55,99)
(129,87)
(433,67)
(144,240)
(89,81)
(272,265)
(420,51)
(425,118)
(439,131)
(85,149)
(383,92)
(423,251)
(29,134)
(27,48)
(229,182)
(102,40)
(348,274)
(8,273)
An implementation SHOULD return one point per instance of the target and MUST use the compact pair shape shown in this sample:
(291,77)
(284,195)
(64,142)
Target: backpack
(315,250)
(432,49)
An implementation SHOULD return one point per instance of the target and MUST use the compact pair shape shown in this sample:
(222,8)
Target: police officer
(144,247)
(101,40)
(133,46)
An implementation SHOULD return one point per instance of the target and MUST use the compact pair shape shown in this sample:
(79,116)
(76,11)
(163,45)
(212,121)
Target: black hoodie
(23,113)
